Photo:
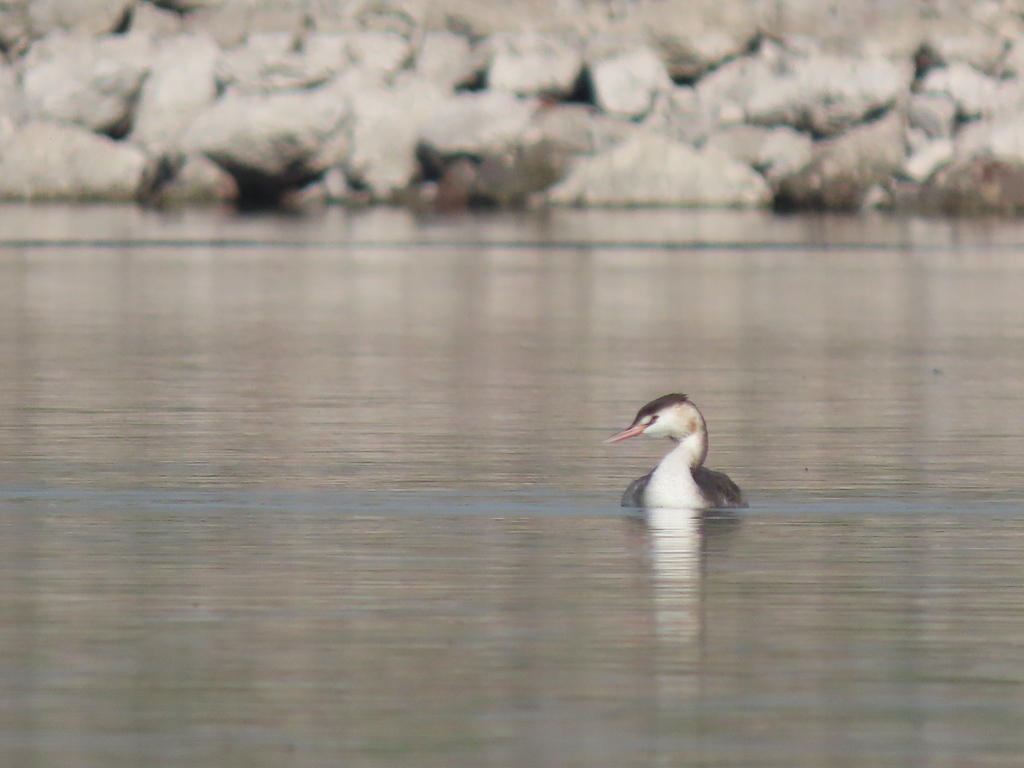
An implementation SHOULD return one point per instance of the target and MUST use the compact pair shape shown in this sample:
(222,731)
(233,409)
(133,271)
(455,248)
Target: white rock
(729,87)
(740,142)
(982,51)
(73,79)
(284,137)
(272,61)
(87,17)
(8,129)
(267,62)
(227,24)
(475,123)
(578,129)
(1012,64)
(443,59)
(784,152)
(933,113)
(916,140)
(828,94)
(1001,139)
(532,64)
(46,161)
(922,164)
(972,92)
(1008,102)
(690,37)
(680,113)
(627,84)
(156,22)
(652,169)
(386,126)
(12,103)
(180,86)
(381,53)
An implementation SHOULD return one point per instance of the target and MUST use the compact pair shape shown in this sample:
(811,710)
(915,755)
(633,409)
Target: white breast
(672,484)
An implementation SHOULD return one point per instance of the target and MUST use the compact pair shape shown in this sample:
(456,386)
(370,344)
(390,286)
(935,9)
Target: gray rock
(933,113)
(227,24)
(156,22)
(87,17)
(231,22)
(12,103)
(46,161)
(827,94)
(1012,63)
(273,143)
(979,49)
(893,29)
(477,123)
(971,91)
(652,169)
(197,181)
(15,28)
(1009,101)
(975,186)
(443,59)
(842,170)
(531,64)
(382,54)
(180,86)
(69,78)
(578,129)
(386,128)
(680,113)
(510,178)
(277,61)
(1001,139)
(269,62)
(405,18)
(627,84)
(479,20)
(916,140)
(732,85)
(8,128)
(707,34)
(740,142)
(784,152)
(22,21)
(689,37)
(920,166)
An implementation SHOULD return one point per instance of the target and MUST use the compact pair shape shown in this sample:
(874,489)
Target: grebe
(680,481)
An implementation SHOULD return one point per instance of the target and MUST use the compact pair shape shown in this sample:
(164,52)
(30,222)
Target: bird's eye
(653,419)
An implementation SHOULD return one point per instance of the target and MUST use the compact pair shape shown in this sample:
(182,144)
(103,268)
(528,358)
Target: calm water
(331,491)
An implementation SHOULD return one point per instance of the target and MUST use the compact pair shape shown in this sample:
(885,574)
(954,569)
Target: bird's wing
(634,495)
(719,488)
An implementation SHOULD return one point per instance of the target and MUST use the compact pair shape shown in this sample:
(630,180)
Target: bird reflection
(679,544)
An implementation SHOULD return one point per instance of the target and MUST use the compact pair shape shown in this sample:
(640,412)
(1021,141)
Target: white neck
(693,448)
(672,484)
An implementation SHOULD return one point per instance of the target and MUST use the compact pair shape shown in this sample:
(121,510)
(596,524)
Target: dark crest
(662,402)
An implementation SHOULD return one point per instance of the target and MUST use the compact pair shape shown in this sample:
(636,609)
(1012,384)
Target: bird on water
(680,481)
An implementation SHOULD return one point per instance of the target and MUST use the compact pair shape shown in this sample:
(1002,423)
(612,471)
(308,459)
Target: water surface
(331,490)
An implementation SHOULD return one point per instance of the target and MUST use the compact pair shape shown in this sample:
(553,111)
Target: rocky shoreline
(440,104)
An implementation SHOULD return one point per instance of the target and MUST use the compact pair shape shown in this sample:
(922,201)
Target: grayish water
(331,491)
